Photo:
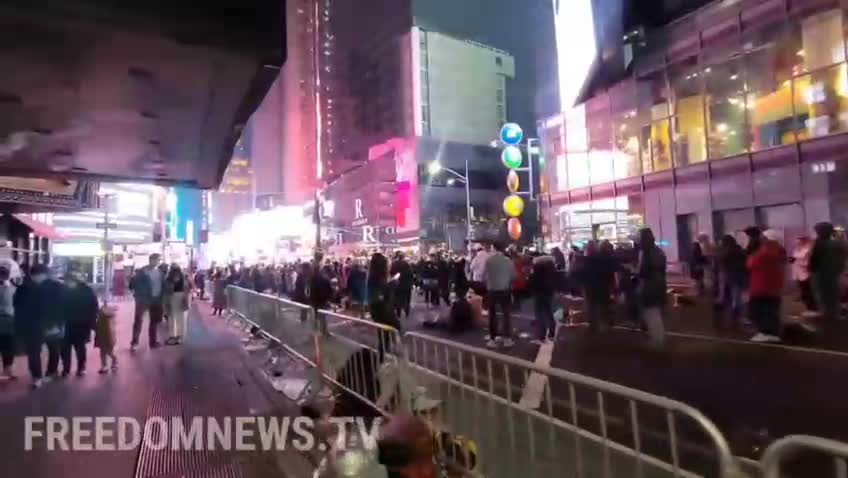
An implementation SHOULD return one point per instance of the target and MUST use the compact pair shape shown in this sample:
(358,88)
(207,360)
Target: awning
(38,228)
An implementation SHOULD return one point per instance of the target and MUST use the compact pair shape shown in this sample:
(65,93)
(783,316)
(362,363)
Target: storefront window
(625,131)
(726,132)
(819,41)
(656,146)
(688,121)
(626,143)
(821,102)
(577,147)
(653,111)
(600,139)
(769,63)
(578,169)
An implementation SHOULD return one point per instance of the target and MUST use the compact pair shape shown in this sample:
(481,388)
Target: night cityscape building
(731,116)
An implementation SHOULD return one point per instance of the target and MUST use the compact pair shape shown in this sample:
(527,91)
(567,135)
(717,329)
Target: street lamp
(435,168)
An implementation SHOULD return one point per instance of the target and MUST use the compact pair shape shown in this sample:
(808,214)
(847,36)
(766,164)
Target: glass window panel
(726,133)
(656,145)
(689,141)
(772,56)
(600,139)
(578,169)
(652,92)
(625,129)
(821,102)
(818,39)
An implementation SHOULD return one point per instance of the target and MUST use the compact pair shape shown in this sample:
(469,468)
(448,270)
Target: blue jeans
(544,311)
(731,298)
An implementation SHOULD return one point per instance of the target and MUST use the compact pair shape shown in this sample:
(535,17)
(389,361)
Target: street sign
(106,225)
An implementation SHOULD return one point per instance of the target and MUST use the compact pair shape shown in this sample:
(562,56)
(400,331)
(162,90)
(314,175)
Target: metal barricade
(288,327)
(505,417)
(787,448)
(365,360)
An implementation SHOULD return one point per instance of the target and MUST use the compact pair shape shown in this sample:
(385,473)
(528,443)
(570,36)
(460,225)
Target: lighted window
(688,121)
(726,132)
(821,102)
(771,56)
(652,114)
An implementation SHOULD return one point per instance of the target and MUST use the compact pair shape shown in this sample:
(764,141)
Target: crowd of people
(491,277)
(757,274)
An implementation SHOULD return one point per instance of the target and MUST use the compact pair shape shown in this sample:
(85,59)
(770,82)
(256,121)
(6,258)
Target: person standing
(477,269)
(219,293)
(403,297)
(766,268)
(652,285)
(733,275)
(176,300)
(499,272)
(598,277)
(542,284)
(39,321)
(827,262)
(80,307)
(147,286)
(7,323)
(443,273)
(380,297)
(801,274)
(200,282)
(105,338)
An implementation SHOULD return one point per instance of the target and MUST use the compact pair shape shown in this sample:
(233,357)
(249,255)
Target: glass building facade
(733,116)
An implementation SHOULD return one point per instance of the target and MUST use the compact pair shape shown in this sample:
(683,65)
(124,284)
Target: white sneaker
(37,383)
(808,327)
(492,344)
(765,338)
(508,342)
(810,314)
(103,369)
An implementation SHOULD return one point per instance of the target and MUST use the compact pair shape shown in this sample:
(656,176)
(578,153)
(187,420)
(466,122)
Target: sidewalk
(208,376)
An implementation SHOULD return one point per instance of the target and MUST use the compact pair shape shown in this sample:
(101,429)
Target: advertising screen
(576,46)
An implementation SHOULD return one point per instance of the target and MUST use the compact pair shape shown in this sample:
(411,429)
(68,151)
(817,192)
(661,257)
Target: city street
(753,392)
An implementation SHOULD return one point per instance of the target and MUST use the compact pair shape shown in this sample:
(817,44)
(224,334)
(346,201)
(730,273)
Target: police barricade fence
(529,420)
(825,458)
(497,416)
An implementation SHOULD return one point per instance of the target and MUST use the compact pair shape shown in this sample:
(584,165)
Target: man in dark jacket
(40,320)
(827,262)
(598,277)
(147,285)
(542,285)
(80,306)
(652,285)
(406,279)
(734,278)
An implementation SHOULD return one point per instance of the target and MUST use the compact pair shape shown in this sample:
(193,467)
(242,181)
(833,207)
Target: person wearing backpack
(7,323)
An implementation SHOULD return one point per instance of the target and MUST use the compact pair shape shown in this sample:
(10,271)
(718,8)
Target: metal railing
(498,416)
(781,451)
(530,420)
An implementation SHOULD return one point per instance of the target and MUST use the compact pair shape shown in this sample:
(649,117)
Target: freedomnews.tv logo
(200,433)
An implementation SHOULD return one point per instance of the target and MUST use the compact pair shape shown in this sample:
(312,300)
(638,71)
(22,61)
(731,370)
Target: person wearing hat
(767,268)
(40,321)
(827,262)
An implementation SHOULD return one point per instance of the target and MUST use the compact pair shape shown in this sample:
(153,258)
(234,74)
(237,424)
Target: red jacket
(767,266)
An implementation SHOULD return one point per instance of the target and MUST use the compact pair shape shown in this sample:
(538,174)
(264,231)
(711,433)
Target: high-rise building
(460,93)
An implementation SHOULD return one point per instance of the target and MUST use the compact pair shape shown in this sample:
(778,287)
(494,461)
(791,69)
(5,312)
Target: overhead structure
(132,90)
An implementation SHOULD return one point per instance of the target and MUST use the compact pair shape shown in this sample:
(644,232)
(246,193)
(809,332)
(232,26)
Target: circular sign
(512,181)
(513,205)
(512,157)
(511,133)
(513,227)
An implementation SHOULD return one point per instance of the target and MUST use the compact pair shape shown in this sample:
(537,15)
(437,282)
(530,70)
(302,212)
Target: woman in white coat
(177,296)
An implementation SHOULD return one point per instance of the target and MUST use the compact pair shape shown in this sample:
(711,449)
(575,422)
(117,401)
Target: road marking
(531,395)
(793,348)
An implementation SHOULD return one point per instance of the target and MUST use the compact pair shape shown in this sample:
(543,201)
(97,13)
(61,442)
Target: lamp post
(436,167)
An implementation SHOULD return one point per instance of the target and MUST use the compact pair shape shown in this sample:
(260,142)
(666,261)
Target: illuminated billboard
(577,47)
